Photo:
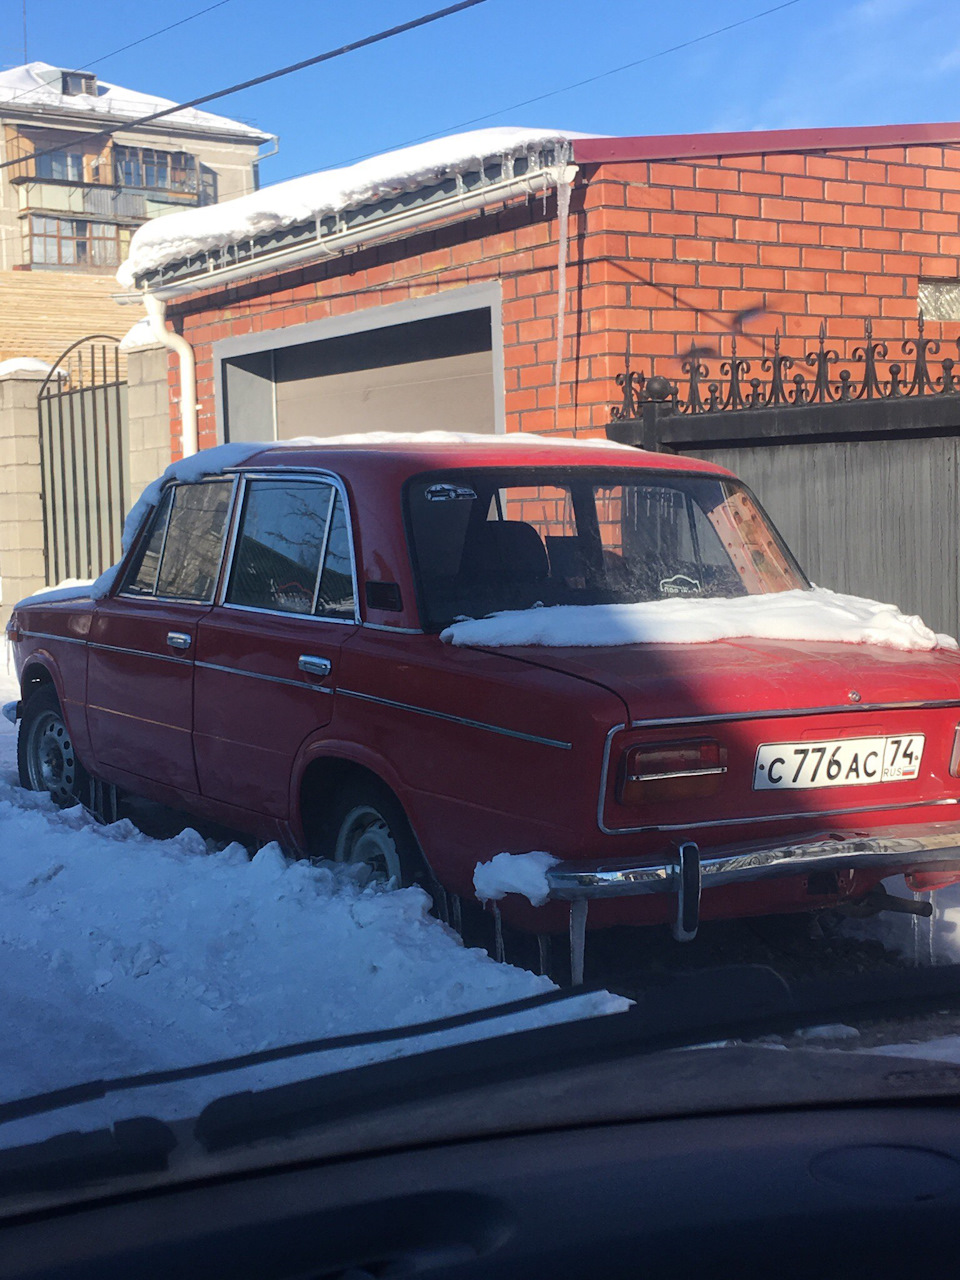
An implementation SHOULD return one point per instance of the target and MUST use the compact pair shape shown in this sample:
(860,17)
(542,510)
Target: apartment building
(84,175)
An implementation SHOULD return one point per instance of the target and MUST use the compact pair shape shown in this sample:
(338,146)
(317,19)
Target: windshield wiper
(93,1090)
(737,1003)
(140,1145)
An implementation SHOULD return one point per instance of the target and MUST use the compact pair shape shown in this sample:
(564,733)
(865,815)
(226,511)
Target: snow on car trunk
(121,954)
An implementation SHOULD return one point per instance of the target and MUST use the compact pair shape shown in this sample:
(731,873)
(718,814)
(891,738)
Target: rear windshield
(494,539)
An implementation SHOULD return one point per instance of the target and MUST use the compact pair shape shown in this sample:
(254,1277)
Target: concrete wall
(148,410)
(21,510)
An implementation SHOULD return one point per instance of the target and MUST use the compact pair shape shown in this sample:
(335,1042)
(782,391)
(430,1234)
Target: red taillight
(663,771)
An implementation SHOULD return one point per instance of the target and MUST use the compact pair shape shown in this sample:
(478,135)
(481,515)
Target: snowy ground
(121,954)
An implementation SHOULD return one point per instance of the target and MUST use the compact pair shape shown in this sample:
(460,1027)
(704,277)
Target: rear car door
(268,653)
(140,652)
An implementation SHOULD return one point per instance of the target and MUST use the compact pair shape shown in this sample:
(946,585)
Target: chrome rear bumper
(688,870)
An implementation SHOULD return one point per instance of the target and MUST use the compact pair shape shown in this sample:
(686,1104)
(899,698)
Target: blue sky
(816,62)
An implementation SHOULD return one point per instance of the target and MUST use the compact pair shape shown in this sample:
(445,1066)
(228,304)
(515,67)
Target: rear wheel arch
(330,784)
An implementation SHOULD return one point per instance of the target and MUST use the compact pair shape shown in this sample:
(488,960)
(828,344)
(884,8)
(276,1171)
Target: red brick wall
(661,254)
(836,237)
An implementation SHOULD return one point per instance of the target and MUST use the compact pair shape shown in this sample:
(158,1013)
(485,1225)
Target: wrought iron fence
(816,378)
(82,421)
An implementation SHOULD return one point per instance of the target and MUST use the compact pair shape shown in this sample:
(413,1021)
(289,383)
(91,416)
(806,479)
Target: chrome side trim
(403,631)
(46,635)
(472,724)
(140,653)
(283,613)
(678,773)
(925,848)
(258,675)
(793,712)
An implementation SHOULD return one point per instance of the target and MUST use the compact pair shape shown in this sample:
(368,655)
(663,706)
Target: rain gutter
(392,225)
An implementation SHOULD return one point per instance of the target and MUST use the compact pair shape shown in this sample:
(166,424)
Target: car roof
(410,454)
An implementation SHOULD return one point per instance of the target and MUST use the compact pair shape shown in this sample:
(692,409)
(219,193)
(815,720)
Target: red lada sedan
(425,653)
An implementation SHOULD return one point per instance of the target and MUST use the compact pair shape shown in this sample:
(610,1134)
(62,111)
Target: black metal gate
(82,411)
(857,461)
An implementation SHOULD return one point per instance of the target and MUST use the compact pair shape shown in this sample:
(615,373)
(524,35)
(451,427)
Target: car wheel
(367,827)
(46,757)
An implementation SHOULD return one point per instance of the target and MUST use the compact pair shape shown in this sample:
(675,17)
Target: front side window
(490,540)
(180,558)
(293,550)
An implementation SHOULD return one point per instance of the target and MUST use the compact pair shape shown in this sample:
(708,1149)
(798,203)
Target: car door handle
(179,640)
(315,666)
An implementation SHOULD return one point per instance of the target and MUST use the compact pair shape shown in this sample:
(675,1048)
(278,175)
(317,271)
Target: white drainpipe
(156,314)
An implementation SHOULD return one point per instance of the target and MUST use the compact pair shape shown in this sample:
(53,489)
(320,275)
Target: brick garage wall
(661,255)
(517,245)
(835,237)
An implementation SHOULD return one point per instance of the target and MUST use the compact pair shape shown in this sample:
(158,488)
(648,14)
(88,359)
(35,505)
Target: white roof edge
(33,89)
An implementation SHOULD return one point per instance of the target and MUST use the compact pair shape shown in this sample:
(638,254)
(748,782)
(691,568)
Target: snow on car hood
(815,614)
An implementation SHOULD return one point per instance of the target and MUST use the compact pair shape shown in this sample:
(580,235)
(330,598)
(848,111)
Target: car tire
(367,826)
(46,757)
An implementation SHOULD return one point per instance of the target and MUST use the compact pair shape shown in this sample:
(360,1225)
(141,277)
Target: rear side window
(335,598)
(180,559)
(293,550)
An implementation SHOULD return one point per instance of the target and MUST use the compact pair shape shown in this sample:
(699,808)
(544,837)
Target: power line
(602,75)
(271,75)
(153,34)
(113,53)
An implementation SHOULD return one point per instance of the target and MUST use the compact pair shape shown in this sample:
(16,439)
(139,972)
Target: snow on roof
(38,85)
(183,235)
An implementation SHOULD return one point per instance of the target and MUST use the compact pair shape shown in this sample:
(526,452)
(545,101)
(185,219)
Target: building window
(939,299)
(73,83)
(59,166)
(73,242)
(151,170)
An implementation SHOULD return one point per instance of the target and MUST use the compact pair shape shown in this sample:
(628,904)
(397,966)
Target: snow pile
(183,235)
(121,954)
(815,614)
(38,84)
(524,873)
(26,364)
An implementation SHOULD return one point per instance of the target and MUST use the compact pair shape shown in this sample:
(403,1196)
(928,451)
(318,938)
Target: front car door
(140,652)
(268,653)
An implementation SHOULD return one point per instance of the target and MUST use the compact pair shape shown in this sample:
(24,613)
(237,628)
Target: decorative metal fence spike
(868,374)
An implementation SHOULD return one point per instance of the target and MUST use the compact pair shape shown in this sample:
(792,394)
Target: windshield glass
(486,540)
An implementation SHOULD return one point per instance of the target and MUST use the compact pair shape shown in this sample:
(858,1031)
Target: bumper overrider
(686,871)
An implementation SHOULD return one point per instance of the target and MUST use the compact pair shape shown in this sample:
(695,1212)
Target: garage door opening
(424,375)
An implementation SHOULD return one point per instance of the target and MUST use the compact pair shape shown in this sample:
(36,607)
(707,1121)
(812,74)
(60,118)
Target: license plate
(846,762)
